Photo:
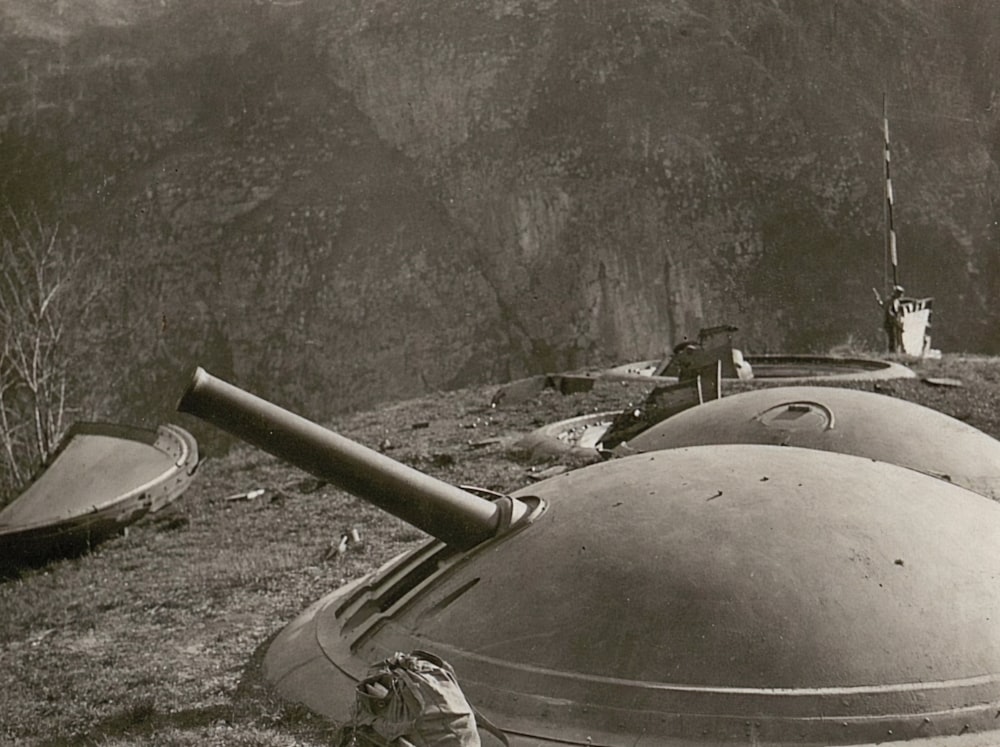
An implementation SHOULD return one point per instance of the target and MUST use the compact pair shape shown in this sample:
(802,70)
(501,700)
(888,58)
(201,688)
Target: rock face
(349,201)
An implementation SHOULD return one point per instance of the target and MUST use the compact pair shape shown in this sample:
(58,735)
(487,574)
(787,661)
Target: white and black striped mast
(890,236)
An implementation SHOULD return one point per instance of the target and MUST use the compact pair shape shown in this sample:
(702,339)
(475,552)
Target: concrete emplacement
(785,369)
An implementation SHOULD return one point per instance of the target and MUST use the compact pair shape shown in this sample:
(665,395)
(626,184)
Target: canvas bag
(414,700)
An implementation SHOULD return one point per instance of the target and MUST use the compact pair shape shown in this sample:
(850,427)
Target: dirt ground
(157,635)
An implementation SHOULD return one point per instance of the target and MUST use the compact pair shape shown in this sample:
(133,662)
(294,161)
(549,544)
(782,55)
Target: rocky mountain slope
(337,203)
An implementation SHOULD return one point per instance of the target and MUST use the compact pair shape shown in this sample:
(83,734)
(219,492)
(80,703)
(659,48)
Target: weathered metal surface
(844,420)
(575,437)
(690,361)
(101,478)
(451,514)
(710,595)
(735,594)
(662,403)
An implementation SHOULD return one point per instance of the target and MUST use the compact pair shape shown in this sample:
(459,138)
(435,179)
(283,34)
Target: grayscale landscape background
(339,203)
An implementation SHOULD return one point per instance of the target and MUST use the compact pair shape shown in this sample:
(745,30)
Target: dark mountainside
(339,203)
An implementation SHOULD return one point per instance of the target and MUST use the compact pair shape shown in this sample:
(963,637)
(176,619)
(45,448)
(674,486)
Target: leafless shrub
(41,303)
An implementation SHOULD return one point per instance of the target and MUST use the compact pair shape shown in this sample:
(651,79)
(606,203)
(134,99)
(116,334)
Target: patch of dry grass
(158,635)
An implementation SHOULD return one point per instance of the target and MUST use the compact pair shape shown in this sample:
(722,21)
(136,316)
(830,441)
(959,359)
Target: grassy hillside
(157,635)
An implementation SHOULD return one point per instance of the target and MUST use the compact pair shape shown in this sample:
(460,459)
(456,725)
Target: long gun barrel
(454,516)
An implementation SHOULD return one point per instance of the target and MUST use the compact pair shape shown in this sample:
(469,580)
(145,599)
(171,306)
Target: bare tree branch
(40,298)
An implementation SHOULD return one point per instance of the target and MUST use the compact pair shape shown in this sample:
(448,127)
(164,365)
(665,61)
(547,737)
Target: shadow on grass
(252,705)
(17,569)
(142,720)
(254,702)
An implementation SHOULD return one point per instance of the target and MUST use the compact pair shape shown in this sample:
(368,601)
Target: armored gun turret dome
(843,420)
(735,594)
(709,595)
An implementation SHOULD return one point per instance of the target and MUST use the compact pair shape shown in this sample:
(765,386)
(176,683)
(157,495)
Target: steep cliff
(343,202)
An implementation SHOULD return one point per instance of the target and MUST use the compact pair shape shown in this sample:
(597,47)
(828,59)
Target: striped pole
(890,230)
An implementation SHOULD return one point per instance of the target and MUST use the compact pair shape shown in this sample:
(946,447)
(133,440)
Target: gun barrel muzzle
(454,516)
